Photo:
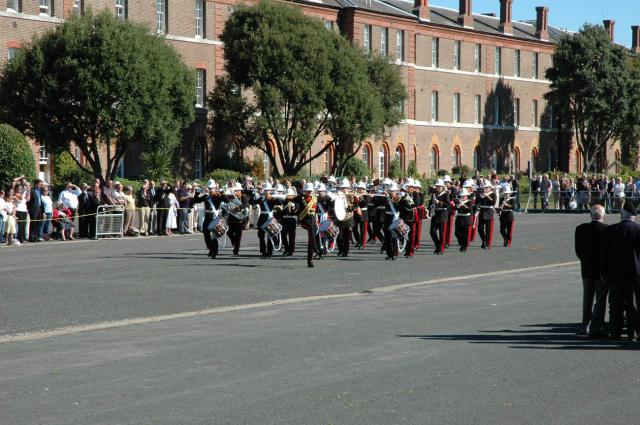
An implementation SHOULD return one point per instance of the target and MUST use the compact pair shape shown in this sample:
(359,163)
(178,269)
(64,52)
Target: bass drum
(272,227)
(340,207)
(218,227)
(399,229)
(328,229)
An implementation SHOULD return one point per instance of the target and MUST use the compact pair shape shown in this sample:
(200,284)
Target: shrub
(16,156)
(356,167)
(395,169)
(442,173)
(66,170)
(135,184)
(412,169)
(460,170)
(156,165)
(222,176)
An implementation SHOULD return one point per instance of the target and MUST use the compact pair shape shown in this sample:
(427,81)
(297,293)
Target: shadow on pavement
(548,336)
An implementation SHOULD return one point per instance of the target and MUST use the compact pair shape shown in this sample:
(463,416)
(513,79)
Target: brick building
(475,81)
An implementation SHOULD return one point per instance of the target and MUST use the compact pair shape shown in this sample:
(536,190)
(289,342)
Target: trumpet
(309,208)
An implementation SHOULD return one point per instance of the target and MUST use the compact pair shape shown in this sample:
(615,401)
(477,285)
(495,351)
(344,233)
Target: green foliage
(16,156)
(395,169)
(222,176)
(304,81)
(412,169)
(590,76)
(630,137)
(462,170)
(442,173)
(66,169)
(101,84)
(156,165)
(135,184)
(355,167)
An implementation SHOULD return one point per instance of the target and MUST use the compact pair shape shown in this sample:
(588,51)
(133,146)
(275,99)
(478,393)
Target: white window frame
(384,41)
(382,161)
(366,38)
(78,7)
(45,7)
(497,61)
(434,162)
(14,5)
(199,16)
(201,75)
(516,63)
(534,113)
(477,59)
(456,107)
(161,16)
(457,47)
(534,65)
(496,111)
(516,112)
(43,156)
(365,155)
(434,106)
(197,161)
(435,52)
(477,109)
(328,24)
(11,54)
(121,9)
(400,45)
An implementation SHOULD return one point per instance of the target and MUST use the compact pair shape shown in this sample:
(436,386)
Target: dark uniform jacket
(621,252)
(243,201)
(465,213)
(208,200)
(406,208)
(589,238)
(440,206)
(486,205)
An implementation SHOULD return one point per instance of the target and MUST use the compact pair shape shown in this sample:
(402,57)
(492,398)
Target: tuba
(235,209)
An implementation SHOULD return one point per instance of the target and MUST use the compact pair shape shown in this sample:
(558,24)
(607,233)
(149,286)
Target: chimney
(635,41)
(465,18)
(609,27)
(421,9)
(542,23)
(506,25)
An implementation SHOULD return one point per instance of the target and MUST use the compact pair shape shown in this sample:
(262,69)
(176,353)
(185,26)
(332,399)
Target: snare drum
(218,227)
(399,229)
(272,227)
(328,229)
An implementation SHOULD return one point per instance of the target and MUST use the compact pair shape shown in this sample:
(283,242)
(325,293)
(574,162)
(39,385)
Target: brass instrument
(309,209)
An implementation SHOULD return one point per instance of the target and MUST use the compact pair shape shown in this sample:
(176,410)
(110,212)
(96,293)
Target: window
(456,157)
(457,48)
(44,155)
(435,159)
(434,106)
(366,40)
(200,87)
(199,16)
(328,24)
(121,169)
(45,7)
(14,5)
(516,112)
(516,63)
(477,109)
(477,59)
(516,160)
(552,118)
(534,113)
(121,9)
(477,163)
(497,64)
(78,7)
(327,161)
(384,45)
(534,66)
(366,155)
(497,113)
(456,107)
(266,165)
(400,156)
(494,160)
(161,16)
(401,107)
(400,45)
(382,162)
(435,52)
(11,54)
(534,159)
(197,160)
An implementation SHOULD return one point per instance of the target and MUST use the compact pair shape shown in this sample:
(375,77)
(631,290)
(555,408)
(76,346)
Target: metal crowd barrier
(109,220)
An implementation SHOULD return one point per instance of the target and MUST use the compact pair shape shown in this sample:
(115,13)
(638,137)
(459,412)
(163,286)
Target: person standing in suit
(621,267)
(34,206)
(588,246)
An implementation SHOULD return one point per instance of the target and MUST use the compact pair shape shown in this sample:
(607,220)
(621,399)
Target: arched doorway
(399,155)
(383,161)
(515,163)
(477,162)
(534,160)
(366,155)
(456,157)
(434,159)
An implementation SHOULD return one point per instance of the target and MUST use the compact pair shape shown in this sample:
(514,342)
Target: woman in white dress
(172,221)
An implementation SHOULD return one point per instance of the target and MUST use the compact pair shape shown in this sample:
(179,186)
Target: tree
(630,136)
(16,156)
(590,78)
(289,81)
(156,165)
(355,167)
(102,85)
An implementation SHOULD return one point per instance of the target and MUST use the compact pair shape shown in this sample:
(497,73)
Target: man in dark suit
(589,238)
(621,267)
(34,206)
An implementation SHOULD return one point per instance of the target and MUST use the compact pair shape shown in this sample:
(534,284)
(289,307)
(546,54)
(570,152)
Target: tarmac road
(492,347)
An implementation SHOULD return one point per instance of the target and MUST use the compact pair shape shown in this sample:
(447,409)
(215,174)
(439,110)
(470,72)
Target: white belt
(289,216)
(482,206)
(464,215)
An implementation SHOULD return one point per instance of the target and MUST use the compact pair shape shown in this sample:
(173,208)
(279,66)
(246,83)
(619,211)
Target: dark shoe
(506,244)
(310,264)
(210,254)
(235,252)
(213,256)
(582,332)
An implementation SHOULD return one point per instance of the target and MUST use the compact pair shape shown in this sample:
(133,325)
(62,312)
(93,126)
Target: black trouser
(34,225)
(485,230)
(389,241)
(344,238)
(83,223)
(621,298)
(266,247)
(161,223)
(463,229)
(288,234)
(378,231)
(211,242)
(235,234)
(506,226)
(357,229)
(21,218)
(408,248)
(601,289)
(312,242)
(437,232)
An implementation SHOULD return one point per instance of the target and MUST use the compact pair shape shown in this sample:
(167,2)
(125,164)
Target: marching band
(340,214)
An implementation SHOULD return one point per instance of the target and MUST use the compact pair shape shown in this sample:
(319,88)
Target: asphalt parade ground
(151,331)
